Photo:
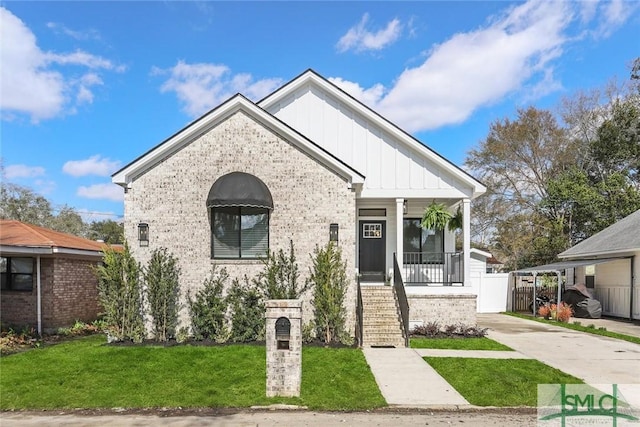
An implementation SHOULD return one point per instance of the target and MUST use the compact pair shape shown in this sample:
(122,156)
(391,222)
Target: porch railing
(433,268)
(402,299)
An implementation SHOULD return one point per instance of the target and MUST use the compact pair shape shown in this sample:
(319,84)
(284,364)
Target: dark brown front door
(372,243)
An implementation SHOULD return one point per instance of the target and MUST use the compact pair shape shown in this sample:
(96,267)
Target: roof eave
(126,175)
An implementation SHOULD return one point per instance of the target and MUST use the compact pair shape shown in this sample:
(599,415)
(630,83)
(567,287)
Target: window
(16,274)
(239,232)
(420,245)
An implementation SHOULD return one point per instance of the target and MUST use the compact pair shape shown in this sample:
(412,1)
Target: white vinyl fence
(491,290)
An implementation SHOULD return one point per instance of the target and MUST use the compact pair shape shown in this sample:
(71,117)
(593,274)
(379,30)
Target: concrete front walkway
(406,380)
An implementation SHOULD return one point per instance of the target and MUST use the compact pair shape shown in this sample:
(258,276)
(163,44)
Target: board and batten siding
(386,163)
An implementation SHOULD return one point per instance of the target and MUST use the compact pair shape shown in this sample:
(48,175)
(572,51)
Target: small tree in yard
(162,277)
(279,278)
(329,279)
(119,293)
(208,308)
(247,312)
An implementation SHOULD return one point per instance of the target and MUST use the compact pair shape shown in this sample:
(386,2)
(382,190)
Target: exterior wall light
(143,234)
(333,233)
(405,207)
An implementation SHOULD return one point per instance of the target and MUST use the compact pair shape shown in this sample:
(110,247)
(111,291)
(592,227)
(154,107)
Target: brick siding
(308,197)
(444,309)
(69,293)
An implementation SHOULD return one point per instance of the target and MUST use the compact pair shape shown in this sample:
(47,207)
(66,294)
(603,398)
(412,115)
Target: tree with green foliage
(279,277)
(208,308)
(22,204)
(246,305)
(328,277)
(162,281)
(108,230)
(120,295)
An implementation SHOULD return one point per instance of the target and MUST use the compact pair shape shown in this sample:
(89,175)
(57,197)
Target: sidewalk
(406,380)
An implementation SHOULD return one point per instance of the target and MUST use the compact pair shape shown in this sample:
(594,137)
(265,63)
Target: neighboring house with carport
(308,164)
(48,278)
(609,264)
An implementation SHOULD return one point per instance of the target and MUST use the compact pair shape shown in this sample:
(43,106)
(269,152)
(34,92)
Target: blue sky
(87,87)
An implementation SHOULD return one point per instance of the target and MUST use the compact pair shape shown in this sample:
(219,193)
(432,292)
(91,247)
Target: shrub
(247,312)
(279,278)
(162,279)
(119,292)
(209,307)
(329,279)
(544,311)
(450,330)
(563,312)
(431,329)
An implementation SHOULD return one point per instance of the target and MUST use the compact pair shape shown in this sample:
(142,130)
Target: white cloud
(31,82)
(359,38)
(23,171)
(102,191)
(202,86)
(59,28)
(613,14)
(94,165)
(369,97)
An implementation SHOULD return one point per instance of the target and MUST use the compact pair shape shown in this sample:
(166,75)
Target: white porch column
(466,240)
(399,231)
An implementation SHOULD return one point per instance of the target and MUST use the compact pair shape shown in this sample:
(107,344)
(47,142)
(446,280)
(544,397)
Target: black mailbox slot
(283,333)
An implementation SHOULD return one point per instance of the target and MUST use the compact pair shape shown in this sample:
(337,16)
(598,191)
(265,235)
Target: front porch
(392,227)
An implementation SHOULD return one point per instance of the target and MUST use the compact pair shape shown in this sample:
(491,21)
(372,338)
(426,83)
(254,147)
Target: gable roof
(310,77)
(16,236)
(211,119)
(622,237)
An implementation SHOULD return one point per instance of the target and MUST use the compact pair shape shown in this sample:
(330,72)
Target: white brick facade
(171,197)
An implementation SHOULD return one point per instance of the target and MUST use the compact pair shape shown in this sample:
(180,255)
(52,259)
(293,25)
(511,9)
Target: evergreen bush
(119,293)
(209,307)
(246,305)
(162,280)
(329,280)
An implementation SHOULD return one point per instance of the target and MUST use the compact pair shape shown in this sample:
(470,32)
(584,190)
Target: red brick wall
(69,293)
(75,292)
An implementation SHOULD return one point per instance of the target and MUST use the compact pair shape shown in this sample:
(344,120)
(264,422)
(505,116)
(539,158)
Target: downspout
(632,259)
(39,295)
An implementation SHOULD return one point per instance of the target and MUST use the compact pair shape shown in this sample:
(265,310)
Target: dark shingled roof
(623,237)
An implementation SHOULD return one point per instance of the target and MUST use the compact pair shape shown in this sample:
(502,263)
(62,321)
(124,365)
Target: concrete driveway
(592,358)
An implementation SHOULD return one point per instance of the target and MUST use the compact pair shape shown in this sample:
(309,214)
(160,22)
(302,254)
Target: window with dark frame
(420,245)
(16,274)
(239,232)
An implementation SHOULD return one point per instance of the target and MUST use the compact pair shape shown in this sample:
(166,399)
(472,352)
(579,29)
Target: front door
(372,244)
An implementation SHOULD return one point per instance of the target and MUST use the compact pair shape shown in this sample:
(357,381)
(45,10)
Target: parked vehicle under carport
(582,302)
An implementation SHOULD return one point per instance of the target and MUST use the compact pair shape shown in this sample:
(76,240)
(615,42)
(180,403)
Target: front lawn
(498,382)
(458,344)
(87,373)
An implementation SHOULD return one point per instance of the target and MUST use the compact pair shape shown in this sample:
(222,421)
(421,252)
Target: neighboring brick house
(307,164)
(48,278)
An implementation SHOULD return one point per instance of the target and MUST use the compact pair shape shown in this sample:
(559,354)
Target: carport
(558,269)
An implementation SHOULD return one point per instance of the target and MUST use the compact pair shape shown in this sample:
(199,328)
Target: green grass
(591,330)
(86,373)
(498,382)
(458,344)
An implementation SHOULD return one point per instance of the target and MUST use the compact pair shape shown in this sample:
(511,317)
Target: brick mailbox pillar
(284,347)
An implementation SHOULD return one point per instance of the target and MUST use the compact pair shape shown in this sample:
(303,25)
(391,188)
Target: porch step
(380,317)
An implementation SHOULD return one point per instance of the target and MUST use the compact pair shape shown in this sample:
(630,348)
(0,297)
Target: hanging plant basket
(436,217)
(455,223)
